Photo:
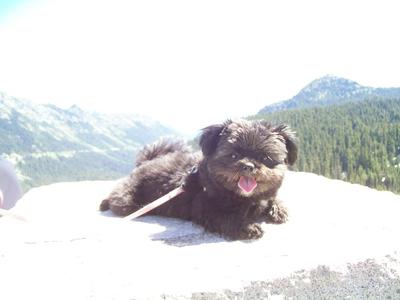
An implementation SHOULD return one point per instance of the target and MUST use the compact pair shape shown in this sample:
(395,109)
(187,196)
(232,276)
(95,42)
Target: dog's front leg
(232,226)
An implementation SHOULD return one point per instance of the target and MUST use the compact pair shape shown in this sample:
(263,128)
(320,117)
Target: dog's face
(248,158)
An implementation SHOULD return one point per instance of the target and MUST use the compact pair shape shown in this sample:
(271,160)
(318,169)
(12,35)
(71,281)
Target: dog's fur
(235,151)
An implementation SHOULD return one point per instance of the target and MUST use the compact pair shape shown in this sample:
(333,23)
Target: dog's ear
(210,137)
(290,140)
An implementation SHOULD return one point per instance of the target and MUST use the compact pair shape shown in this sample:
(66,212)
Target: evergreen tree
(358,141)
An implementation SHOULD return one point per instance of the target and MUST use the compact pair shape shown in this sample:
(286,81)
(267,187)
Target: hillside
(49,144)
(330,90)
(357,141)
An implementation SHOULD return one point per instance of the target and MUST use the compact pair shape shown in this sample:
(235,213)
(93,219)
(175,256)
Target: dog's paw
(277,213)
(119,206)
(104,205)
(249,232)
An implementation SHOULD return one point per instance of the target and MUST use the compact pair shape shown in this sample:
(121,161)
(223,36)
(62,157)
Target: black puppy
(233,186)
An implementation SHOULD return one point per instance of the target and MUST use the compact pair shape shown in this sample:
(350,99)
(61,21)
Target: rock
(341,241)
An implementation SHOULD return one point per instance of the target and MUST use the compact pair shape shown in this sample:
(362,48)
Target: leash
(156,203)
(145,209)
(152,205)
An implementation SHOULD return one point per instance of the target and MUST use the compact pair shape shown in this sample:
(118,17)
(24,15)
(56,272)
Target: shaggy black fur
(234,187)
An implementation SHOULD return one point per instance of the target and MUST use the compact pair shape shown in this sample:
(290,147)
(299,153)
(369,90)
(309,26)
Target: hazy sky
(191,63)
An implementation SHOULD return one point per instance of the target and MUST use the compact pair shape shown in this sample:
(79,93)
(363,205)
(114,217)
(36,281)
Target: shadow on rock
(180,233)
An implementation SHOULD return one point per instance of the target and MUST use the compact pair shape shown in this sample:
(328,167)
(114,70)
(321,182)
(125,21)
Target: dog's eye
(269,162)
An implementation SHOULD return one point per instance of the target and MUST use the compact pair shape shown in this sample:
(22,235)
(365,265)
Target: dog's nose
(248,166)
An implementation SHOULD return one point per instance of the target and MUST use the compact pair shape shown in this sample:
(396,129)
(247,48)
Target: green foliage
(80,166)
(358,142)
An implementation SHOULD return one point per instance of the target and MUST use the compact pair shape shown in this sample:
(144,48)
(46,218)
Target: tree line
(358,141)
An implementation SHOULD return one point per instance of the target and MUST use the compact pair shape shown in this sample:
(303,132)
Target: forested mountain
(330,90)
(50,144)
(357,141)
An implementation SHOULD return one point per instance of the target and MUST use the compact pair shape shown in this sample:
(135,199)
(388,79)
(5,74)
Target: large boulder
(342,240)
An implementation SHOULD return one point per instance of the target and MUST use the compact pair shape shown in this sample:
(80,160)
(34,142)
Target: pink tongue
(247,184)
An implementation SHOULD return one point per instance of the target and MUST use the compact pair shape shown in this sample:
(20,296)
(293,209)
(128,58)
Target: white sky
(192,63)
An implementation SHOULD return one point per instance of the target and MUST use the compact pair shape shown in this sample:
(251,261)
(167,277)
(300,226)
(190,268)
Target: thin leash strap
(172,194)
(156,203)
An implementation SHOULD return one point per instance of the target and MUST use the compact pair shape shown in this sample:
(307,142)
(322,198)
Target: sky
(189,64)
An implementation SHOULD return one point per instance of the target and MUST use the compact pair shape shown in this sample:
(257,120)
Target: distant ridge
(50,144)
(330,90)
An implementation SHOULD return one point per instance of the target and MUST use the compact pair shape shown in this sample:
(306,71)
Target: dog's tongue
(247,184)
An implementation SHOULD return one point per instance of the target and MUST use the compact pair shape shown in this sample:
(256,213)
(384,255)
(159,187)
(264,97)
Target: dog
(232,185)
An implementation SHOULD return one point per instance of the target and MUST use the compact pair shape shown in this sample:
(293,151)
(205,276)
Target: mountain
(330,90)
(355,141)
(49,144)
